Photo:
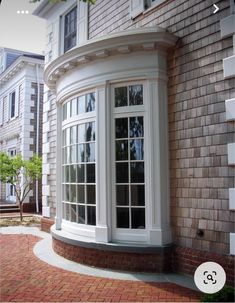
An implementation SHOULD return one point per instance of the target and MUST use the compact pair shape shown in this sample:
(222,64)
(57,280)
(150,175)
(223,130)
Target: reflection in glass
(122,175)
(121,150)
(137,149)
(63,137)
(121,127)
(74,107)
(90,173)
(64,112)
(67,211)
(67,192)
(122,194)
(136,95)
(90,131)
(81,133)
(67,154)
(122,217)
(68,109)
(66,174)
(67,136)
(81,104)
(72,173)
(81,193)
(90,194)
(81,153)
(138,218)
(80,173)
(81,214)
(120,96)
(72,193)
(73,213)
(136,127)
(90,107)
(137,172)
(137,195)
(90,152)
(73,157)
(73,134)
(91,220)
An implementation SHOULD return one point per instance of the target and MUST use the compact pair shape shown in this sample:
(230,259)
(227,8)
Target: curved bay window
(79,160)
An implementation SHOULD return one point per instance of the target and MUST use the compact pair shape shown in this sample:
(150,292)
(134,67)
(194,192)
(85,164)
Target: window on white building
(70,29)
(12,105)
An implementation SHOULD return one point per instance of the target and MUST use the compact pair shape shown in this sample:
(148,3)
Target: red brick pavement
(25,278)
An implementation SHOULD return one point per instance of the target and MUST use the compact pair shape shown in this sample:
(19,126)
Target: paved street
(25,278)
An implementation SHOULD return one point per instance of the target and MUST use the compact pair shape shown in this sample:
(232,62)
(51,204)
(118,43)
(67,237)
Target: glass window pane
(63,138)
(73,193)
(137,172)
(137,149)
(81,104)
(81,193)
(81,153)
(80,173)
(122,175)
(120,96)
(73,213)
(67,211)
(67,192)
(81,133)
(136,127)
(73,134)
(67,174)
(68,109)
(121,150)
(63,192)
(90,152)
(91,218)
(90,173)
(67,155)
(90,131)
(64,112)
(67,136)
(73,155)
(74,107)
(122,217)
(121,127)
(122,194)
(138,218)
(90,106)
(72,173)
(90,194)
(138,195)
(136,94)
(81,214)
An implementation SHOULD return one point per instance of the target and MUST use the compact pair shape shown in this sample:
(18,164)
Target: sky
(21,31)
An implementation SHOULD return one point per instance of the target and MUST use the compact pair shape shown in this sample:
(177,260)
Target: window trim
(10,105)
(152,5)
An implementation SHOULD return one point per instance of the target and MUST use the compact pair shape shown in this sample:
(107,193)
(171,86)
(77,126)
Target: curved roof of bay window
(124,42)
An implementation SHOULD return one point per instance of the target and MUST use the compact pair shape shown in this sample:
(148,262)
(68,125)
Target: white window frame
(128,234)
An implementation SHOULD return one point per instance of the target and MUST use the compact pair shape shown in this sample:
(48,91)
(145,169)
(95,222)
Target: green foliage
(226,294)
(55,1)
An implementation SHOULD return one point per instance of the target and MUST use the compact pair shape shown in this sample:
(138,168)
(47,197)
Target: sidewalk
(26,276)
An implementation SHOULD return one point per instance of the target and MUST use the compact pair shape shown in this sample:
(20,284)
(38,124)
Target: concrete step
(7,208)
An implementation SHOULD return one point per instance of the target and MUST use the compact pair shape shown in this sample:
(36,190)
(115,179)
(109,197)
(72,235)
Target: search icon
(209,277)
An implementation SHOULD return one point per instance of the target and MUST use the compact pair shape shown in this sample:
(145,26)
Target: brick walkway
(25,278)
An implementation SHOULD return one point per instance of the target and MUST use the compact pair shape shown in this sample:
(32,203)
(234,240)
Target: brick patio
(25,278)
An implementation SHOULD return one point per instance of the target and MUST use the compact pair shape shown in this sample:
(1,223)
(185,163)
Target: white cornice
(124,42)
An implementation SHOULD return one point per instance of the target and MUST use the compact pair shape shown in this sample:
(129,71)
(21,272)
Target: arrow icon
(216,8)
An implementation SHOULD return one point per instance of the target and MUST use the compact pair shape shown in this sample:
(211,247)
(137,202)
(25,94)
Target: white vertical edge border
(232,243)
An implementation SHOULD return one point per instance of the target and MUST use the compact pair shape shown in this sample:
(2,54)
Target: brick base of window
(126,261)
(186,260)
(46,224)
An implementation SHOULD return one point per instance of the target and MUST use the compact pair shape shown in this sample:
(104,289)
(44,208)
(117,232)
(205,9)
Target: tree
(88,1)
(21,174)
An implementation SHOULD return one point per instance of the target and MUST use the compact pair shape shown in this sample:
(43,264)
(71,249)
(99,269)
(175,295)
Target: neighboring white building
(21,98)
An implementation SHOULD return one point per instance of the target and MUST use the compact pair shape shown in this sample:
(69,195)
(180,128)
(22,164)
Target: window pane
(81,153)
(67,174)
(72,173)
(73,134)
(90,173)
(120,96)
(90,107)
(121,127)
(80,173)
(122,175)
(64,112)
(121,150)
(68,109)
(73,156)
(90,131)
(138,218)
(122,195)
(138,195)
(81,104)
(137,149)
(67,211)
(137,172)
(67,192)
(67,136)
(90,194)
(72,193)
(122,217)
(74,107)
(81,214)
(136,127)
(73,213)
(136,94)
(90,152)
(91,218)
(81,193)
(81,133)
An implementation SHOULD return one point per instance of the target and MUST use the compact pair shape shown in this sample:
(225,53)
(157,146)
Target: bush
(226,294)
